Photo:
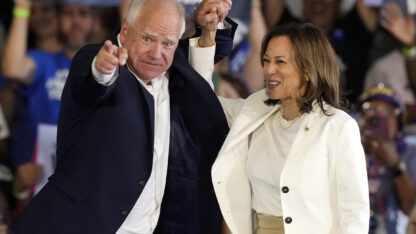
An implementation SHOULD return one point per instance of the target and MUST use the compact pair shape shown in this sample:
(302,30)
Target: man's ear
(123,31)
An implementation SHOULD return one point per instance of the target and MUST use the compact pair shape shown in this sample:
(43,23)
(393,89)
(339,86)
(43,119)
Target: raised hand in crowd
(15,63)
(401,26)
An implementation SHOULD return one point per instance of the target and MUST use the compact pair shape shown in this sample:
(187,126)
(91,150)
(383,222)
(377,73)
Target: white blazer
(325,176)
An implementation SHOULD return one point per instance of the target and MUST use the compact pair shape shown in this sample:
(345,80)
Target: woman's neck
(290,110)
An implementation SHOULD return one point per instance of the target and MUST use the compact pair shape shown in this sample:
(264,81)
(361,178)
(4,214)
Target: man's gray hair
(136,7)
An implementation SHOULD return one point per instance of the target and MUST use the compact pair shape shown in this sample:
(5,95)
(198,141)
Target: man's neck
(50,44)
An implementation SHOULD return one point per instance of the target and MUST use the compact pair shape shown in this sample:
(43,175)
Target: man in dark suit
(138,132)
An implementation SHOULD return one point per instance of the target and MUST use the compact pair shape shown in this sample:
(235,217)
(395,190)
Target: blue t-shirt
(41,99)
(45,92)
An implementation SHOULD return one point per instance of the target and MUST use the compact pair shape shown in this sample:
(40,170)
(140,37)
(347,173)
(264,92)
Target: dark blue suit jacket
(105,151)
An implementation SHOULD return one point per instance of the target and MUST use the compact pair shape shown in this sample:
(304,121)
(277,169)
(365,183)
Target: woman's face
(281,73)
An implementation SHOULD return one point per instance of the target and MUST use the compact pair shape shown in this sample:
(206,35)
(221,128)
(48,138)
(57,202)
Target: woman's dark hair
(317,62)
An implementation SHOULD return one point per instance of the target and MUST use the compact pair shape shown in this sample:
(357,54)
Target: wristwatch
(398,169)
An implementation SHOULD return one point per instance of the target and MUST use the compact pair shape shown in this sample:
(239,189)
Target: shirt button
(285,189)
(288,220)
(124,212)
(141,182)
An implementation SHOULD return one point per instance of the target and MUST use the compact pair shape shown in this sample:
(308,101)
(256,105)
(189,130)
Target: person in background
(411,228)
(252,71)
(230,86)
(2,36)
(41,75)
(106,20)
(43,25)
(292,156)
(139,129)
(391,159)
(6,177)
(40,19)
(390,69)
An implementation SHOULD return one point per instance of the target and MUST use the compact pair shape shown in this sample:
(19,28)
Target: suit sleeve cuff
(103,79)
(202,59)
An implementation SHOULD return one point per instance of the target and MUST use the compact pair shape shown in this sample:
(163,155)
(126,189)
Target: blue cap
(380,93)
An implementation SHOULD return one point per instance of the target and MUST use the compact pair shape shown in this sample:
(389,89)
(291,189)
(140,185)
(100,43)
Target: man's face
(151,40)
(43,19)
(76,21)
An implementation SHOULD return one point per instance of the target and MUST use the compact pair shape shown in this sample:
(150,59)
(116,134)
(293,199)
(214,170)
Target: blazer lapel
(300,136)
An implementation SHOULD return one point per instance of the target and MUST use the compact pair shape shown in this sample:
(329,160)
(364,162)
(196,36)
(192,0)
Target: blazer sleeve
(351,180)
(83,87)
(231,108)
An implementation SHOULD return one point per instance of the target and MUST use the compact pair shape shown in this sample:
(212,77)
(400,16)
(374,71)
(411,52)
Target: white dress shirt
(144,215)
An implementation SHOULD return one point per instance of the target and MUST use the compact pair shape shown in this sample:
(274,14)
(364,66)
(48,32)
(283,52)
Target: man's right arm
(15,62)
(207,40)
(93,72)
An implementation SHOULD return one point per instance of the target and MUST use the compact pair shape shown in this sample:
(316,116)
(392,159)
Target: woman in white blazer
(293,162)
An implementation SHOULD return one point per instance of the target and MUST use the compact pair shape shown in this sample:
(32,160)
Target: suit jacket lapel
(124,73)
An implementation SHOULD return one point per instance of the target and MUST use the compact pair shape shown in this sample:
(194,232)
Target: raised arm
(403,28)
(212,45)
(272,10)
(368,15)
(253,71)
(207,16)
(94,70)
(15,62)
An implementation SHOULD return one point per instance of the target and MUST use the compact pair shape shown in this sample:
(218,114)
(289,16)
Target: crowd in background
(375,45)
